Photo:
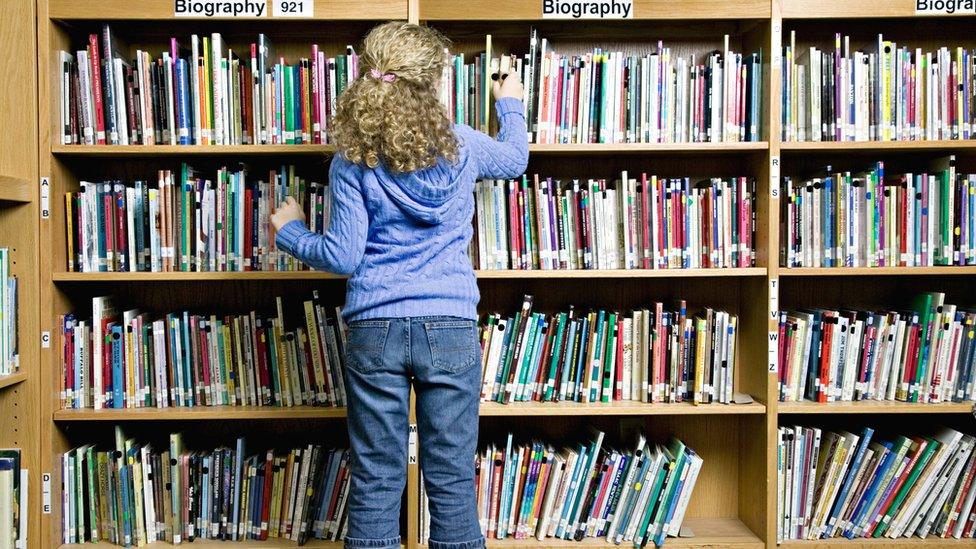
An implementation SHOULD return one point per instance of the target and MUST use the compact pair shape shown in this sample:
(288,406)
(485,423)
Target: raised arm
(341,248)
(507,155)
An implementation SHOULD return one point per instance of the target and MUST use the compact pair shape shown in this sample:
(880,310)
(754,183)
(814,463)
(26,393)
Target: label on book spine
(293,8)
(945,7)
(583,9)
(244,9)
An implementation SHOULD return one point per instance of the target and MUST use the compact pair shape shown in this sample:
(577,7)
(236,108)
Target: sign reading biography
(238,9)
(588,9)
(945,7)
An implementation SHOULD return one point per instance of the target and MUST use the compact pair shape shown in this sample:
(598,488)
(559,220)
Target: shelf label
(46,493)
(293,8)
(774,177)
(45,197)
(412,445)
(945,7)
(774,298)
(240,9)
(45,340)
(587,9)
(772,351)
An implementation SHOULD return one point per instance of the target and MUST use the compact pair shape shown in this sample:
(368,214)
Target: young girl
(402,204)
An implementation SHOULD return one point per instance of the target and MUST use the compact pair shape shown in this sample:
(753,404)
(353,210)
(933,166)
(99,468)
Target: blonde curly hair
(392,114)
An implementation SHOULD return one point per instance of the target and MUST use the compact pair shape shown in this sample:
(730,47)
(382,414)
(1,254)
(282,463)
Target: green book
(555,357)
(289,100)
(946,167)
(93,494)
(920,464)
(677,449)
(609,355)
(922,304)
(79,473)
(593,362)
(667,466)
(525,361)
(507,361)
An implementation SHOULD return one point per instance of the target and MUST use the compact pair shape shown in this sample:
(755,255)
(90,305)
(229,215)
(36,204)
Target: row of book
(836,483)
(13,499)
(631,223)
(183,359)
(647,355)
(183,221)
(9,351)
(883,92)
(637,495)
(135,494)
(873,219)
(205,95)
(926,353)
(605,96)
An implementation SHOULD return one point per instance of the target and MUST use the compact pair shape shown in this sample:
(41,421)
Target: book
(924,354)
(13,499)
(9,351)
(207,94)
(581,491)
(645,222)
(183,359)
(891,488)
(195,495)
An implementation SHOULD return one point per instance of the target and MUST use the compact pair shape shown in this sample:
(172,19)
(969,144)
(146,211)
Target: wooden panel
(713,533)
(643,9)
(15,189)
(163,9)
(842,9)
(12,379)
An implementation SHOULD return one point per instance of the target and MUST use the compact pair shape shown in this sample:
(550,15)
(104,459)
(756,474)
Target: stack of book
(185,359)
(134,494)
(9,352)
(185,222)
(607,96)
(647,355)
(870,219)
(585,491)
(885,92)
(207,95)
(13,499)
(835,483)
(631,223)
(924,354)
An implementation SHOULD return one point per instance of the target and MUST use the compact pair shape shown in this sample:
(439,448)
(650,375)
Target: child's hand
(507,85)
(289,210)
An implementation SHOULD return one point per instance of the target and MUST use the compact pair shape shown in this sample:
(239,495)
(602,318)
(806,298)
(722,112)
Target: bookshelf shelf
(859,543)
(713,533)
(214,544)
(12,379)
(14,189)
(324,10)
(615,409)
(841,147)
(846,9)
(200,414)
(876,271)
(519,10)
(129,151)
(488,275)
(649,148)
(873,407)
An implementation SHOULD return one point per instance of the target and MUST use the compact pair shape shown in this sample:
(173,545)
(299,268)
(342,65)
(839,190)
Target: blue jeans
(440,357)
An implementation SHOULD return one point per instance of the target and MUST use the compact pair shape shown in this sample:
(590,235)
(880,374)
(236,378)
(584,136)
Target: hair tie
(388,77)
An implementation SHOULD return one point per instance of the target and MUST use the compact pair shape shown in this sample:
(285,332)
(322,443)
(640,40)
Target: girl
(402,201)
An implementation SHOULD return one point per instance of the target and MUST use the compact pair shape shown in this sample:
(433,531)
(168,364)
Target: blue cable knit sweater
(404,237)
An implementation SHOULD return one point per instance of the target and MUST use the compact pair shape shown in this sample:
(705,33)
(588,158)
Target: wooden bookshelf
(734,505)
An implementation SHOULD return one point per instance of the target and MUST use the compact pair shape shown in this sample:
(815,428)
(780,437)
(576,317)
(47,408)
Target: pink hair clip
(387,77)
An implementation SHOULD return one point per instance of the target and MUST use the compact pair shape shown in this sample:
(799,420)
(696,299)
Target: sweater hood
(426,195)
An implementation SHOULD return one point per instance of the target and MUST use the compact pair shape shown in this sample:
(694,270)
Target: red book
(618,392)
(914,336)
(707,206)
(829,319)
(266,496)
(121,231)
(108,211)
(783,356)
(496,488)
(663,244)
(870,332)
(513,224)
(206,366)
(248,258)
(96,79)
(258,340)
(883,508)
(643,195)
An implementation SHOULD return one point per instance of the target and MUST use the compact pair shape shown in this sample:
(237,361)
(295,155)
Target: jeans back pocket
(454,345)
(365,344)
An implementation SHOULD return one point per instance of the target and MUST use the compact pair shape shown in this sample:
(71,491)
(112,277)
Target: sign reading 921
(587,9)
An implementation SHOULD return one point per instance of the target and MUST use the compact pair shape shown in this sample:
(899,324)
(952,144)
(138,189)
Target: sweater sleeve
(507,155)
(341,248)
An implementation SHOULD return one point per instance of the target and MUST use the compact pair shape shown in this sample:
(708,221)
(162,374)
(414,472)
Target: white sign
(46,493)
(772,351)
(945,7)
(241,9)
(293,8)
(45,197)
(412,445)
(774,298)
(774,177)
(587,9)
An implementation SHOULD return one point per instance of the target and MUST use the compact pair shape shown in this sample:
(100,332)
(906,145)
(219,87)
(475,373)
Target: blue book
(601,324)
(238,465)
(118,364)
(584,331)
(140,237)
(561,391)
(184,334)
(574,482)
(508,473)
(828,214)
(848,477)
(861,508)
